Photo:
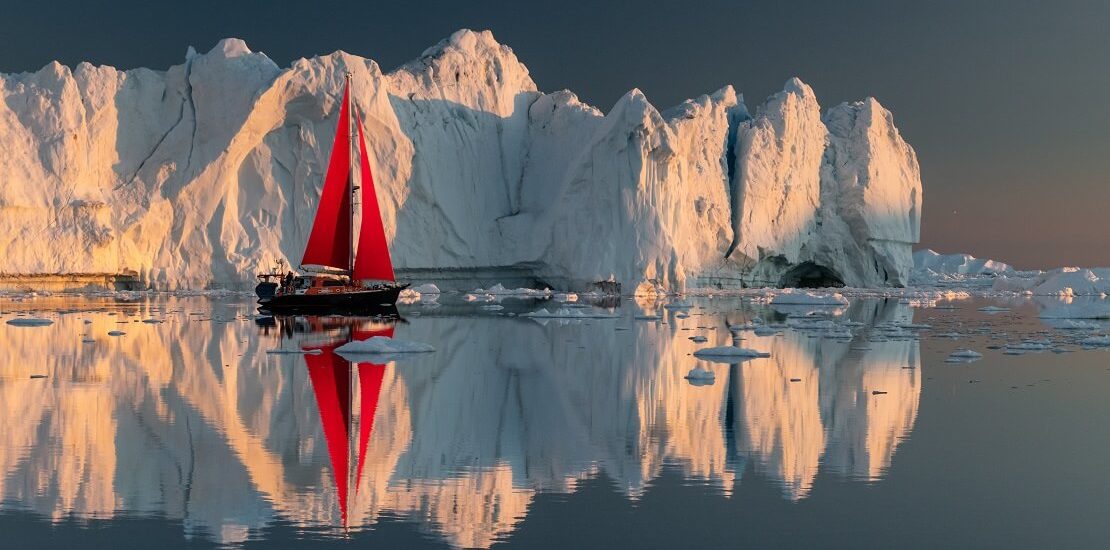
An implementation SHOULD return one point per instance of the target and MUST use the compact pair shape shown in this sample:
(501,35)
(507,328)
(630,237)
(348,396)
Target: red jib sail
(329,244)
(372,260)
(370,376)
(331,382)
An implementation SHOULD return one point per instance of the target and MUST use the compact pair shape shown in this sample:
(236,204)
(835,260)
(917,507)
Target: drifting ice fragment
(807,298)
(383,345)
(281,351)
(728,354)
(963,356)
(567,313)
(699,377)
(29,322)
(1096,341)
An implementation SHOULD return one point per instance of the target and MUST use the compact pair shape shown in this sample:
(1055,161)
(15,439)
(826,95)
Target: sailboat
(335,275)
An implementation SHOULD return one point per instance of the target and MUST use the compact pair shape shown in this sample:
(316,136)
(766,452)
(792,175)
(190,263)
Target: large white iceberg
(202,174)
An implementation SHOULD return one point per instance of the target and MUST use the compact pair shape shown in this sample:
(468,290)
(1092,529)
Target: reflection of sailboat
(331,382)
(357,280)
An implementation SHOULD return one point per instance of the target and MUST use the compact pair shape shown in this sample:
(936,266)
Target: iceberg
(203,174)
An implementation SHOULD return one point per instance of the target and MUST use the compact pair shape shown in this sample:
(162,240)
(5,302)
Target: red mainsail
(372,260)
(329,244)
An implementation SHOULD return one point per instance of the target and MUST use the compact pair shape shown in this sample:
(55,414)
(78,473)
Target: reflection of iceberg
(810,403)
(199,424)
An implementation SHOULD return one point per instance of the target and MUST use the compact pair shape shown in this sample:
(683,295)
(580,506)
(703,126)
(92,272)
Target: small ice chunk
(701,375)
(993,309)
(678,305)
(29,322)
(963,356)
(1096,341)
(116,333)
(808,298)
(728,354)
(698,339)
(568,313)
(765,331)
(383,345)
(281,351)
(492,307)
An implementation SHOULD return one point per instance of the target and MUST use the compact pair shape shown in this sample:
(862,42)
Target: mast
(351,179)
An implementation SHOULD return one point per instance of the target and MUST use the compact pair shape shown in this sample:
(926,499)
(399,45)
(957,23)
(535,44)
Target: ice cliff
(204,173)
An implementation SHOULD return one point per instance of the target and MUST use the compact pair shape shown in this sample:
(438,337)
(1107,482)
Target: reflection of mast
(330,375)
(732,448)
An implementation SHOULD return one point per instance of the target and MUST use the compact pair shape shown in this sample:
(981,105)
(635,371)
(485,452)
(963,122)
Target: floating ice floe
(698,376)
(728,354)
(1029,345)
(1069,324)
(492,307)
(699,339)
(993,309)
(647,317)
(1096,341)
(29,322)
(963,356)
(793,297)
(499,291)
(284,351)
(568,313)
(116,333)
(1081,307)
(383,345)
(765,331)
(678,305)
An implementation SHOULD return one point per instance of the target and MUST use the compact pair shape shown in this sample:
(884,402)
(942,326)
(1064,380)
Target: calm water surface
(516,432)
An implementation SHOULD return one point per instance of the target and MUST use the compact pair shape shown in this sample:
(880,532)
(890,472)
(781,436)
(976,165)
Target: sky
(1006,103)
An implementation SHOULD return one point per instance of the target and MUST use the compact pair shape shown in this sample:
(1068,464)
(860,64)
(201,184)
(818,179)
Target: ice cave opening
(810,275)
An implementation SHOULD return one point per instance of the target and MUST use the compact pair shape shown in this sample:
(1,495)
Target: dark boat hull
(361,301)
(266,289)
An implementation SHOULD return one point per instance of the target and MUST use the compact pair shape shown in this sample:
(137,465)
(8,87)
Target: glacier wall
(205,173)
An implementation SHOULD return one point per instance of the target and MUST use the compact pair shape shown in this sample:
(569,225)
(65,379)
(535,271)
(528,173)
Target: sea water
(176,422)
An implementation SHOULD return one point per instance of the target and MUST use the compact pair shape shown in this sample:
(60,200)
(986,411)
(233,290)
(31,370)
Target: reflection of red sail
(329,244)
(370,377)
(330,374)
(331,381)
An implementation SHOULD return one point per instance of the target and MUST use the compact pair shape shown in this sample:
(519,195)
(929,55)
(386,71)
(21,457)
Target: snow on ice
(205,173)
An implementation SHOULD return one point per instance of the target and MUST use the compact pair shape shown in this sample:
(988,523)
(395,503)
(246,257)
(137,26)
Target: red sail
(370,377)
(331,381)
(372,260)
(329,244)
